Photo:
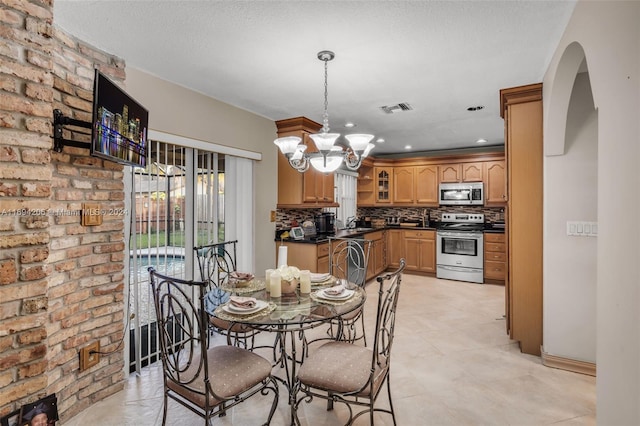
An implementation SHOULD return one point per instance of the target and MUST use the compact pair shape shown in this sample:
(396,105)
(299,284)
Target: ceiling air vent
(390,109)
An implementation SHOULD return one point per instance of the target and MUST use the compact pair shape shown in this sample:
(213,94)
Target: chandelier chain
(325,116)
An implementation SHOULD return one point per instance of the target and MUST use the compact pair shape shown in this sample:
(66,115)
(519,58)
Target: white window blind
(346,193)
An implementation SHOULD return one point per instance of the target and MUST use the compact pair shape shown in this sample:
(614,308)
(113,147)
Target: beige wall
(609,34)
(179,111)
(570,261)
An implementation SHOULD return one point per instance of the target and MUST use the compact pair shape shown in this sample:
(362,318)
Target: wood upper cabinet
(403,185)
(415,181)
(427,185)
(472,172)
(318,187)
(462,172)
(450,173)
(384,184)
(420,250)
(296,189)
(495,183)
(415,185)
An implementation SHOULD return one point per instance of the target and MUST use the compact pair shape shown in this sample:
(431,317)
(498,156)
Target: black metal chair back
(323,374)
(182,328)
(216,262)
(349,259)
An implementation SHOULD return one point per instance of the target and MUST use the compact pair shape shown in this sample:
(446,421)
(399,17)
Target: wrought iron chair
(349,259)
(208,381)
(216,263)
(351,374)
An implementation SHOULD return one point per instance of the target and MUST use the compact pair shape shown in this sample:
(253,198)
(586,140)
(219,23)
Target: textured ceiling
(438,56)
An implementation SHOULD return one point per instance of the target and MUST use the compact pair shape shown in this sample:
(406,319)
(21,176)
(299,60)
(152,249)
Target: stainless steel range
(460,247)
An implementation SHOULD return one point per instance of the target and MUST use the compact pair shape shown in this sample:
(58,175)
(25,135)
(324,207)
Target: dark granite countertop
(359,232)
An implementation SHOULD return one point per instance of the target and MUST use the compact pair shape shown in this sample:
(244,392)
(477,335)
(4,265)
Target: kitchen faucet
(425,218)
(350,220)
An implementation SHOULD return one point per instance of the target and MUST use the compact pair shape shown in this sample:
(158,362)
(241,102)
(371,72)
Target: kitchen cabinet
(450,173)
(416,185)
(377,254)
(495,183)
(427,185)
(472,172)
(311,189)
(521,108)
(384,184)
(420,250)
(403,185)
(314,257)
(318,187)
(366,196)
(462,172)
(395,247)
(495,257)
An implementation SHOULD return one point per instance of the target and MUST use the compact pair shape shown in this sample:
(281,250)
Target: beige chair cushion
(341,367)
(232,371)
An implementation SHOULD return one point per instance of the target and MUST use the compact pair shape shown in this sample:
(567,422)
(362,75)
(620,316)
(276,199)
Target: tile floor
(453,364)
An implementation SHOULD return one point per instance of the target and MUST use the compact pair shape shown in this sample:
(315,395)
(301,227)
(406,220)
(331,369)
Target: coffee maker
(325,223)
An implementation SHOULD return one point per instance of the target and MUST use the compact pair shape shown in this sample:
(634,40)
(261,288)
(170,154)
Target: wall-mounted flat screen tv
(119,124)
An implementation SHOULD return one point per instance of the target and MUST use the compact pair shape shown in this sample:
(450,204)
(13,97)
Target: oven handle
(459,268)
(460,234)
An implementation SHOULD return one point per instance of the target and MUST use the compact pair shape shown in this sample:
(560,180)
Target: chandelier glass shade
(329,156)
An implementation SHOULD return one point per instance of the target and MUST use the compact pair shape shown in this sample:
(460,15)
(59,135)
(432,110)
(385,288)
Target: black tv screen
(119,124)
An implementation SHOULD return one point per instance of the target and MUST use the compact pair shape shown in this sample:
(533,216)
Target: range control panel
(463,218)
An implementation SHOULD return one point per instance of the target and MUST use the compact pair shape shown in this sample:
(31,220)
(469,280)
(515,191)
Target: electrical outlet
(273,215)
(89,356)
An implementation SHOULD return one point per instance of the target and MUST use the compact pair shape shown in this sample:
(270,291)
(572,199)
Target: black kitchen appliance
(325,223)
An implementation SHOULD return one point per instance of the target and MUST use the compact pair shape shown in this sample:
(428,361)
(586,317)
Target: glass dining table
(289,317)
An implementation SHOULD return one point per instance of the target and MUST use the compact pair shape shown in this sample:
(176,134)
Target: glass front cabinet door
(383,187)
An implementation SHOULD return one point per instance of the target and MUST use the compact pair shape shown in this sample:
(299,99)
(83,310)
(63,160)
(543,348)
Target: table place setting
(335,295)
(241,282)
(244,307)
(321,279)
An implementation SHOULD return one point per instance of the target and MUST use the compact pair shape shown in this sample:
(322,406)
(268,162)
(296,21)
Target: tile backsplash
(284,217)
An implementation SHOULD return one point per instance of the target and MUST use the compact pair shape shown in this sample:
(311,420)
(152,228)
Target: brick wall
(61,284)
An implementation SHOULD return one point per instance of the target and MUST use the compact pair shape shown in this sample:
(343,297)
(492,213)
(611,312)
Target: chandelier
(329,156)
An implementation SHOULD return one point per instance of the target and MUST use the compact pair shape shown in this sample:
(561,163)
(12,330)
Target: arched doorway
(570,217)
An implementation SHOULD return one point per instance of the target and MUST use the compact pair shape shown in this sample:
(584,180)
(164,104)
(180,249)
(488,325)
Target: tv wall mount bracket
(59,121)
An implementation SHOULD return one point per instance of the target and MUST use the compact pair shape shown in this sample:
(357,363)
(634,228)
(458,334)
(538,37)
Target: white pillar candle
(267,279)
(282,256)
(276,289)
(305,282)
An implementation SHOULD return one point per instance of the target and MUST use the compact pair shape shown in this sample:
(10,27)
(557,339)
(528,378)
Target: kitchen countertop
(355,233)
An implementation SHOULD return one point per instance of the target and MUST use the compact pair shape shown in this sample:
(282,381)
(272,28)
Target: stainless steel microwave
(462,194)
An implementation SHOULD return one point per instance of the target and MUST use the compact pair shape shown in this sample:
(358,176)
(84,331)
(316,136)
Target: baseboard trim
(568,364)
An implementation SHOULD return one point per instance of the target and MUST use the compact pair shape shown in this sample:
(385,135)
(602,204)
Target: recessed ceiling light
(407,147)
(349,125)
(481,140)
(475,108)
(380,140)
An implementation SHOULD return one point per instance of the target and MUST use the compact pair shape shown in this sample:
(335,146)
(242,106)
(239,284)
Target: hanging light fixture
(329,156)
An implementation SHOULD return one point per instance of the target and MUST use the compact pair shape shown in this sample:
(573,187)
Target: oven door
(460,249)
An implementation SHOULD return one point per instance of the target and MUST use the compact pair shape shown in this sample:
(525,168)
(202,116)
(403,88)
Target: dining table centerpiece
(289,278)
